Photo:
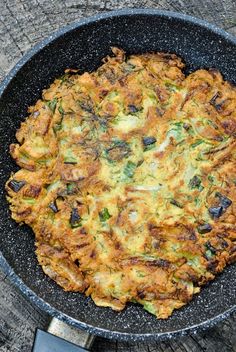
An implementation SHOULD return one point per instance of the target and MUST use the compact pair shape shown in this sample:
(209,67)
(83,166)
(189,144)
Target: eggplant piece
(225,202)
(53,207)
(186,126)
(213,99)
(16,185)
(133,109)
(149,140)
(217,106)
(75,218)
(204,228)
(216,212)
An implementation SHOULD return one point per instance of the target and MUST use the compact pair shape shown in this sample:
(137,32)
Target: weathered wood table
(24,23)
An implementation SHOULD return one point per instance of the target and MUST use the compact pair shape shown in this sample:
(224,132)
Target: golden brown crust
(128,180)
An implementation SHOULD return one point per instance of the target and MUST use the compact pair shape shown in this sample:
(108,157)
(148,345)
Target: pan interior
(83,47)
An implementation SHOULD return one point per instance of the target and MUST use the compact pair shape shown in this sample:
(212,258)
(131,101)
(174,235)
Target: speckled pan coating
(83,45)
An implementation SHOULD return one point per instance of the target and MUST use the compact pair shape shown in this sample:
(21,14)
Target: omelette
(127,178)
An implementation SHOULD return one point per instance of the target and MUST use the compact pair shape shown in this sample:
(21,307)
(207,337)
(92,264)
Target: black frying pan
(83,45)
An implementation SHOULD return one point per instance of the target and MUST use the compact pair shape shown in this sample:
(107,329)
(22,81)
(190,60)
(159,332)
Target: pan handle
(62,337)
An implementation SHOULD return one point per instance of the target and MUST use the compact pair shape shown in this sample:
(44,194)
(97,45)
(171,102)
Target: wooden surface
(24,23)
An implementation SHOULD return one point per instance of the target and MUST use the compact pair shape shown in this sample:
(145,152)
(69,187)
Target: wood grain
(18,319)
(23,23)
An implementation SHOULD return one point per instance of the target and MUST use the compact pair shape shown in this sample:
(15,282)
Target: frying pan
(83,45)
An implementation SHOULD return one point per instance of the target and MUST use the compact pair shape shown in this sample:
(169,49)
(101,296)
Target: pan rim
(122,336)
(116,13)
(5,266)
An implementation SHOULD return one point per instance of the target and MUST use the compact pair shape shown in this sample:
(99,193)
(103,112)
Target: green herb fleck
(176,203)
(56,127)
(211,179)
(104,215)
(140,273)
(71,188)
(212,124)
(179,124)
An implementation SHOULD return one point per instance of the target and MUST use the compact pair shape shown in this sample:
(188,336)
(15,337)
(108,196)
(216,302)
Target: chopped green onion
(204,228)
(53,207)
(129,169)
(52,104)
(61,110)
(150,307)
(198,142)
(209,254)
